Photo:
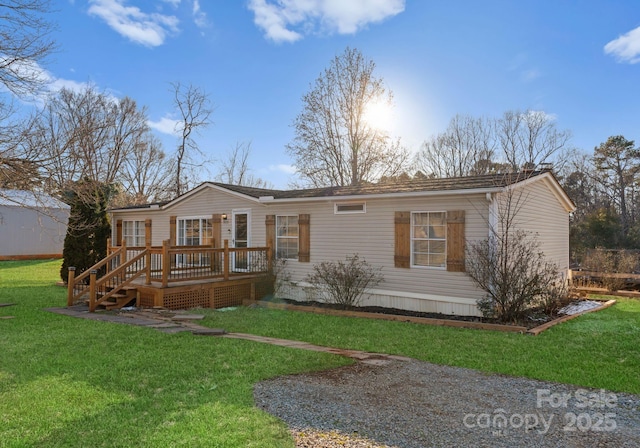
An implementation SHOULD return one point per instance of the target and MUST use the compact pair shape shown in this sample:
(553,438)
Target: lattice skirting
(146,299)
(186,299)
(208,295)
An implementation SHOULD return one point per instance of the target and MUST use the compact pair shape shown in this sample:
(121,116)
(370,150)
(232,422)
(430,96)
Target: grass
(598,350)
(72,382)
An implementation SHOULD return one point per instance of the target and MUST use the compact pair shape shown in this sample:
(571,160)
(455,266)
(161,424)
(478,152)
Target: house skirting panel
(219,294)
(424,303)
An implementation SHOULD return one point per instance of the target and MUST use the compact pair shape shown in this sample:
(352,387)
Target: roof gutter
(271,199)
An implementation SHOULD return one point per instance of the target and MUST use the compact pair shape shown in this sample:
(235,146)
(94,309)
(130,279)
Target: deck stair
(108,283)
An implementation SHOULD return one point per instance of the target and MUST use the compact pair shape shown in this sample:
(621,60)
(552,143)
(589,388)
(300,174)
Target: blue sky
(575,60)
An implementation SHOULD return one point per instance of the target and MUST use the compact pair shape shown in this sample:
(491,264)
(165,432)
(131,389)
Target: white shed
(32,225)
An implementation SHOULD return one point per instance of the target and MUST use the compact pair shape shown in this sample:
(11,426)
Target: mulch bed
(535,325)
(528,323)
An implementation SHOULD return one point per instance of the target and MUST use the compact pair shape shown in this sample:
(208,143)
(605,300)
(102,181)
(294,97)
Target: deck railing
(165,264)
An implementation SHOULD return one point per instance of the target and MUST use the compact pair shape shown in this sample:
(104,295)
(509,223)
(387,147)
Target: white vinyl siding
(133,233)
(287,237)
(371,236)
(429,239)
(551,227)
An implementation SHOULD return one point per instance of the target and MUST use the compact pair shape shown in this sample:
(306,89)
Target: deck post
(92,290)
(226,259)
(70,284)
(109,252)
(147,273)
(123,257)
(166,263)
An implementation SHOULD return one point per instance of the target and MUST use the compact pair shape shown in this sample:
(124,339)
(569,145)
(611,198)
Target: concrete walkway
(179,321)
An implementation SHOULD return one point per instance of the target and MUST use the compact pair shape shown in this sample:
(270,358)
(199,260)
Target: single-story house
(32,225)
(415,231)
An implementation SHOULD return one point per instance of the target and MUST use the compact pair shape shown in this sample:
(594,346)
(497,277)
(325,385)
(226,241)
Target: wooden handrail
(98,265)
(164,261)
(94,301)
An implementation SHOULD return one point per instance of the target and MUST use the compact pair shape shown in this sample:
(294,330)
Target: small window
(287,237)
(429,239)
(350,207)
(133,233)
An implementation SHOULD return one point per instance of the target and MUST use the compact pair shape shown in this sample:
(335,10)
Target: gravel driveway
(418,404)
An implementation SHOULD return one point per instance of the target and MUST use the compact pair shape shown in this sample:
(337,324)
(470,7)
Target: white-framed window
(133,233)
(194,231)
(340,208)
(287,237)
(429,239)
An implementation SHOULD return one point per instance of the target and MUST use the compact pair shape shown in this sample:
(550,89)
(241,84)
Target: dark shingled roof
(444,184)
(423,185)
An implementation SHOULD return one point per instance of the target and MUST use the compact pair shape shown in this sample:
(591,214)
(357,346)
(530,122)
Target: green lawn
(600,350)
(72,382)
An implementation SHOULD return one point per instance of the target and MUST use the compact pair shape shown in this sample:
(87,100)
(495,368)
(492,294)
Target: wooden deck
(207,293)
(174,277)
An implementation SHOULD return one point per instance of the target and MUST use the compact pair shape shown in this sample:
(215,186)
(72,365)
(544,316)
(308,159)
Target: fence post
(226,260)
(166,263)
(92,290)
(70,285)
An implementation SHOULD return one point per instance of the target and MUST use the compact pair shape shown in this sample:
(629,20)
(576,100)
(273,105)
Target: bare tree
(85,140)
(146,173)
(194,108)
(466,148)
(87,135)
(24,44)
(334,143)
(530,138)
(476,146)
(235,168)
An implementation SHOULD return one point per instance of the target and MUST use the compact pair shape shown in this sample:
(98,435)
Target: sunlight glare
(379,115)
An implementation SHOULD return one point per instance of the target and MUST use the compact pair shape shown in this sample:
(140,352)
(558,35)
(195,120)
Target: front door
(241,238)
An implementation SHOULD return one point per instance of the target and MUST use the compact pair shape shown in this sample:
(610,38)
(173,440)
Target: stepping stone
(172,330)
(165,325)
(188,317)
(7,317)
(209,332)
(377,362)
(6,304)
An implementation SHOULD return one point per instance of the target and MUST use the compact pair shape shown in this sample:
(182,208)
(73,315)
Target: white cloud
(165,125)
(149,29)
(283,168)
(58,84)
(199,16)
(174,3)
(625,48)
(48,83)
(277,17)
